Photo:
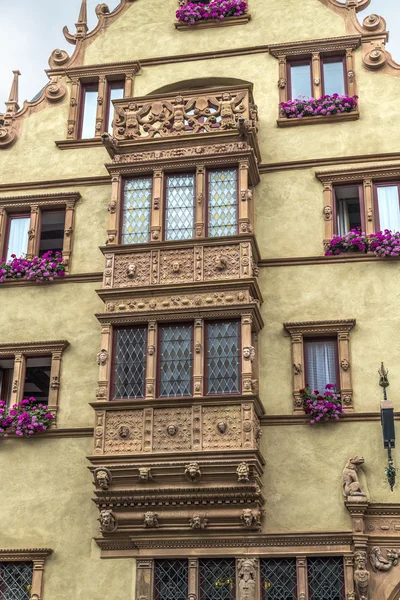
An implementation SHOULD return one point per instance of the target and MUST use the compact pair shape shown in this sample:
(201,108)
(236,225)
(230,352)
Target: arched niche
(198,84)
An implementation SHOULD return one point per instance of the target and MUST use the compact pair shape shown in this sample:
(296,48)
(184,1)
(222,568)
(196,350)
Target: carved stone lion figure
(247,568)
(108,521)
(102,357)
(351,485)
(150,519)
(102,478)
(249,353)
(198,522)
(379,563)
(192,471)
(250,519)
(361,575)
(243,472)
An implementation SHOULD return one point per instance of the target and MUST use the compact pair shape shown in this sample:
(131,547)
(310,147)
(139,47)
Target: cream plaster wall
(57,312)
(46,503)
(368,292)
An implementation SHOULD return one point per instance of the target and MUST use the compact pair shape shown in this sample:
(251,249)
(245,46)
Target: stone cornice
(319,45)
(358,173)
(319,327)
(24,554)
(33,348)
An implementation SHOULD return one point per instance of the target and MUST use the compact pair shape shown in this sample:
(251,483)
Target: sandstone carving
(243,472)
(102,477)
(145,474)
(131,271)
(123,432)
(172,430)
(108,521)
(198,522)
(379,562)
(222,427)
(102,357)
(351,486)
(221,262)
(150,519)
(247,571)
(250,518)
(192,471)
(361,575)
(344,363)
(249,353)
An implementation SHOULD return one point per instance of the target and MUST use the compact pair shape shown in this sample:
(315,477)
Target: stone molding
(227,22)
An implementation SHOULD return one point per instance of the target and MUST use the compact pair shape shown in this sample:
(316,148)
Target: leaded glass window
(170,580)
(180,191)
(176,360)
(325,578)
(278,578)
(137,208)
(129,363)
(223,357)
(222,203)
(217,579)
(15,580)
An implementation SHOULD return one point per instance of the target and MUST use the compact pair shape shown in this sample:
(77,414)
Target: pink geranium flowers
(323,107)
(43,268)
(216,10)
(26,418)
(322,407)
(383,244)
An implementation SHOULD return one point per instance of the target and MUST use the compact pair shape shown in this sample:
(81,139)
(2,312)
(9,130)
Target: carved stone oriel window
(21,573)
(32,225)
(339,331)
(368,197)
(32,369)
(311,67)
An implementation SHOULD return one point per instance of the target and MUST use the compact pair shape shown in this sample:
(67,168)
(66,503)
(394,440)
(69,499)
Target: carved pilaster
(344,370)
(68,234)
(247,372)
(155,267)
(328,210)
(151,360)
(72,132)
(103,359)
(99,437)
(349,576)
(3,220)
(193,583)
(33,233)
(368,206)
(101,105)
(197,435)
(245,226)
(129,83)
(114,208)
(351,77)
(248,422)
(282,81)
(54,388)
(316,75)
(37,579)
(144,579)
(297,370)
(302,587)
(18,379)
(108,276)
(157,206)
(198,362)
(148,429)
(200,208)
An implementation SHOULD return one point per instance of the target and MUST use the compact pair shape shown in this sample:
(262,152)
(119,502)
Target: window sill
(78,278)
(285,122)
(242,20)
(75,144)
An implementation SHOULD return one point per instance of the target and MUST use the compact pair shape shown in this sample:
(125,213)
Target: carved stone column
(200,210)
(33,233)
(369,207)
(316,75)
(129,81)
(302,586)
(37,579)
(144,579)
(244,215)
(151,364)
(198,361)
(101,105)
(247,371)
(344,369)
(328,210)
(72,132)
(54,383)
(351,76)
(298,370)
(348,576)
(18,379)
(114,208)
(3,220)
(157,206)
(282,82)
(103,360)
(193,583)
(68,234)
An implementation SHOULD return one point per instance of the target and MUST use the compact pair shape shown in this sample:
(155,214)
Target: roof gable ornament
(81,26)
(12,104)
(8,133)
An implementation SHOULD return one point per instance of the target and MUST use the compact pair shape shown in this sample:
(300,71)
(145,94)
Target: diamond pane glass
(137,205)
(176,360)
(325,578)
(180,207)
(223,357)
(278,579)
(130,363)
(15,581)
(170,580)
(222,203)
(217,579)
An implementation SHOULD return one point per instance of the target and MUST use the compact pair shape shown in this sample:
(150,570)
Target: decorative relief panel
(124,432)
(222,262)
(132,270)
(176,266)
(221,427)
(172,430)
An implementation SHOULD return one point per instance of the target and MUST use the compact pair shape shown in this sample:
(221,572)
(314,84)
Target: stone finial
(12,104)
(351,486)
(82,26)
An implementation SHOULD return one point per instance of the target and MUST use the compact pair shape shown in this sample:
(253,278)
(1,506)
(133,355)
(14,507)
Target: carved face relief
(123,432)
(102,357)
(176,267)
(345,364)
(102,477)
(172,430)
(144,473)
(192,471)
(108,522)
(222,427)
(249,353)
(150,519)
(151,349)
(131,271)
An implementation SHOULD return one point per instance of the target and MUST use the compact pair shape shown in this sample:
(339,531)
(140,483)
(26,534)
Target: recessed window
(52,231)
(129,367)
(170,579)
(17,238)
(176,360)
(217,579)
(222,202)
(16,580)
(90,94)
(321,361)
(278,578)
(223,357)
(180,199)
(300,80)
(136,210)
(6,375)
(325,578)
(115,92)
(37,379)
(388,198)
(348,208)
(333,77)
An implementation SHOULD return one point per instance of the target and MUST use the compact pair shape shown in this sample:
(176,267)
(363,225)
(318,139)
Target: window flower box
(216,12)
(303,111)
(25,419)
(384,244)
(44,268)
(326,407)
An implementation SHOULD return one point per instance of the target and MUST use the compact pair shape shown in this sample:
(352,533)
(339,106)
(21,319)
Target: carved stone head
(360,560)
(131,271)
(176,267)
(102,477)
(107,519)
(249,353)
(198,522)
(102,357)
(150,519)
(243,472)
(192,471)
(123,432)
(172,429)
(248,518)
(222,427)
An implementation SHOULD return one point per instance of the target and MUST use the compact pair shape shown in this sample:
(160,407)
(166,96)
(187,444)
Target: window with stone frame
(278,578)
(171,579)
(217,579)
(21,573)
(33,225)
(325,578)
(129,363)
(333,76)
(320,351)
(90,121)
(31,370)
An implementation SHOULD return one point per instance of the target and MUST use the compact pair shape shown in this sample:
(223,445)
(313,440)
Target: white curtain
(321,364)
(388,203)
(18,237)
(343,220)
